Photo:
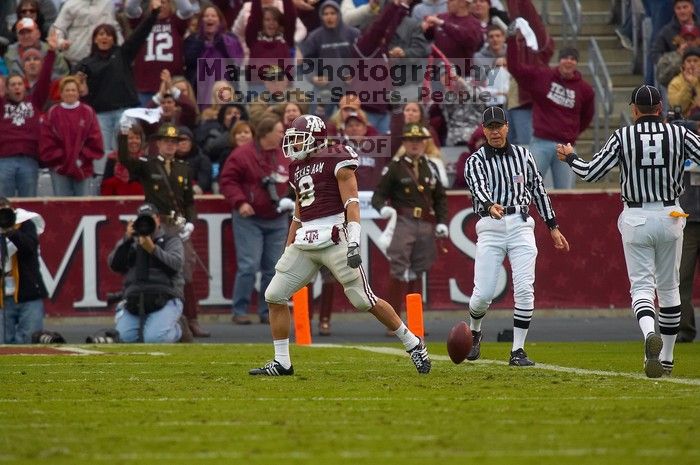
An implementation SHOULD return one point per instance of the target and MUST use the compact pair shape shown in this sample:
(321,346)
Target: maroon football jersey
(162,50)
(315,183)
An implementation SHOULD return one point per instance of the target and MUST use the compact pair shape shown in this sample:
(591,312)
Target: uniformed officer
(167,185)
(411,189)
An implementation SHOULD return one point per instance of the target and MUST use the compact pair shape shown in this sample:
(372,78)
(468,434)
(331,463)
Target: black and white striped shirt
(650,153)
(507,176)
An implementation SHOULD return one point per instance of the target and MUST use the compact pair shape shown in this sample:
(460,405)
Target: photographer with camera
(253,180)
(167,185)
(22,289)
(152,262)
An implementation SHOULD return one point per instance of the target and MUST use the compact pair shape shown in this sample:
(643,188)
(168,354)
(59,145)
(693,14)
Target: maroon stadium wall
(80,234)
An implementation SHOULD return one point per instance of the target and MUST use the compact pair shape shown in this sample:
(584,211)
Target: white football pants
(652,241)
(495,239)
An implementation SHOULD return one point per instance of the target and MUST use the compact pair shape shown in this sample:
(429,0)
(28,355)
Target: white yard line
(538,366)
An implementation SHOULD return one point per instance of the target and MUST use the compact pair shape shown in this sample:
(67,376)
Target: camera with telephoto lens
(270,183)
(7,218)
(144,225)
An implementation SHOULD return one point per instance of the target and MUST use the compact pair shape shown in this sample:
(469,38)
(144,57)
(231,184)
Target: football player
(325,230)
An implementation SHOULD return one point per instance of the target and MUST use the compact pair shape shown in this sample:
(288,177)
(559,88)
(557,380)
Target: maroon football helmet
(306,134)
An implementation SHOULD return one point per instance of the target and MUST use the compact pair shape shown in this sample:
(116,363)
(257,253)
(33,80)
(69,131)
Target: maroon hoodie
(19,122)
(562,108)
(241,178)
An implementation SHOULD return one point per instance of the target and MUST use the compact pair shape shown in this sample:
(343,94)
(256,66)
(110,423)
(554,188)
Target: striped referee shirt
(507,176)
(651,155)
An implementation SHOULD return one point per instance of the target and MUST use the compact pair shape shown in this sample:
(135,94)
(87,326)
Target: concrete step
(587,17)
(554,6)
(605,42)
(591,29)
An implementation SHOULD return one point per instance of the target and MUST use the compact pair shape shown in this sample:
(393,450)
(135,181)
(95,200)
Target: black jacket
(200,168)
(110,79)
(28,281)
(164,265)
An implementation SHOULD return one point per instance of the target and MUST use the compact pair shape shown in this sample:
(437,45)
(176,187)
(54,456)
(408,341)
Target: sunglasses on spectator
(27,10)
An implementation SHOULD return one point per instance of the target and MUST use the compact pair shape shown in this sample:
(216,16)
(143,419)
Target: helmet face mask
(306,134)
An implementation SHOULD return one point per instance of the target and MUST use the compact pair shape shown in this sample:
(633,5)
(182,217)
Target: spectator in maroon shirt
(19,131)
(563,106)
(69,141)
(163,47)
(456,33)
(251,178)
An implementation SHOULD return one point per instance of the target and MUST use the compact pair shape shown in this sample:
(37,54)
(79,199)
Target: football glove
(354,258)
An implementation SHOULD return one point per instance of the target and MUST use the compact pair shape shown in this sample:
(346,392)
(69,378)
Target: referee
(504,180)
(651,155)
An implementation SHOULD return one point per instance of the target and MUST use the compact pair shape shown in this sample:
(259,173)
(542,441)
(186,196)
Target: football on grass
(459,342)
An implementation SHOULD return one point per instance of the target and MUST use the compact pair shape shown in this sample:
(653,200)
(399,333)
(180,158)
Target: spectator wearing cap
(29,39)
(684,89)
(252,176)
(151,262)
(19,131)
(199,165)
(43,12)
(410,188)
(76,22)
(69,141)
(683,14)
(348,103)
(670,63)
(108,75)
(214,136)
(563,107)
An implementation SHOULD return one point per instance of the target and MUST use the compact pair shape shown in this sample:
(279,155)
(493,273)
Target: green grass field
(584,403)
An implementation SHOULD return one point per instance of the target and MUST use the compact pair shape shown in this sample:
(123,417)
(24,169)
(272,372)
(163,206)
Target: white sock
(519,335)
(669,341)
(409,339)
(282,352)
(646,324)
(475,324)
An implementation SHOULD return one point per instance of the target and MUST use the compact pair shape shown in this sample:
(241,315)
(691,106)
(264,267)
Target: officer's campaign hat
(168,131)
(415,131)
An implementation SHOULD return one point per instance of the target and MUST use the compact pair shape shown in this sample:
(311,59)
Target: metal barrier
(602,84)
(625,119)
(570,22)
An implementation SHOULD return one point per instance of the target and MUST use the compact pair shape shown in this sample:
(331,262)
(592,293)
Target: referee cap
(646,95)
(494,115)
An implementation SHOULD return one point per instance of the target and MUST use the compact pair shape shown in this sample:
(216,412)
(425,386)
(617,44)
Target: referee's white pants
(509,236)
(652,241)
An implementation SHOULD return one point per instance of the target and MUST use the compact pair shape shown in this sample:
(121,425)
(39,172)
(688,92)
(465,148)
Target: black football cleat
(518,358)
(667,367)
(420,358)
(652,348)
(475,353)
(273,368)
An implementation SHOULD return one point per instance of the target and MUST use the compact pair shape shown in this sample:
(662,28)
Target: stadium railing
(602,85)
